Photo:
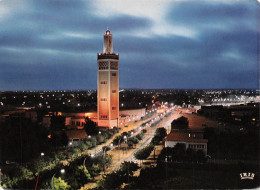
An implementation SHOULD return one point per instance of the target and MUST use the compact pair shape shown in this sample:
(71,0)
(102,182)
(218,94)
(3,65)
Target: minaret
(108,84)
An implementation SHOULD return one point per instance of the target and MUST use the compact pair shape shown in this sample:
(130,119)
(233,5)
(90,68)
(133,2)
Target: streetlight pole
(117,122)
(154,153)
(118,149)
(104,154)
(0,177)
(125,137)
(95,144)
(62,171)
(84,163)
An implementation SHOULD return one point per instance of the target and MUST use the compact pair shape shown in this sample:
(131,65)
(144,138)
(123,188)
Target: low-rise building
(191,139)
(75,136)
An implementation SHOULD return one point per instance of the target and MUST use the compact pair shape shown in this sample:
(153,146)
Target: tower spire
(108,42)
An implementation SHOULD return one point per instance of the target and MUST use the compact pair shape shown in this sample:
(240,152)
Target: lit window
(103,116)
(189,134)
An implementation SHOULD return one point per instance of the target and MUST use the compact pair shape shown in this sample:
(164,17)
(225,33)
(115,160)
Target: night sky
(53,44)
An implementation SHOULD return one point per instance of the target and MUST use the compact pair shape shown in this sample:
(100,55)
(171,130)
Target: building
(191,138)
(131,115)
(108,84)
(76,136)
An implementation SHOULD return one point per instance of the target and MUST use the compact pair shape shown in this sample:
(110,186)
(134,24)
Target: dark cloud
(53,45)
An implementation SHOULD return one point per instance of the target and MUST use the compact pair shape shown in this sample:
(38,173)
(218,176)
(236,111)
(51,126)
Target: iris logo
(247,175)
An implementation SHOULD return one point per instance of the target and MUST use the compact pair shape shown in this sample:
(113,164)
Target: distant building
(131,115)
(108,85)
(192,139)
(31,114)
(75,136)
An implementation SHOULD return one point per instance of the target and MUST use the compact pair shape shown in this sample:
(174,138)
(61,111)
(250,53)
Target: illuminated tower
(108,84)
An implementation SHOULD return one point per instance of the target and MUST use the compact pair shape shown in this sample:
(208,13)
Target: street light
(62,171)
(125,137)
(84,162)
(95,141)
(0,176)
(119,149)
(42,154)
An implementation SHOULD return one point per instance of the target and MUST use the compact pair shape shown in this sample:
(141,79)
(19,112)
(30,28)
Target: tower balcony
(108,56)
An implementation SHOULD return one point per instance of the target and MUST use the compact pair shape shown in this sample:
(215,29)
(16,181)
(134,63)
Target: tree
(156,140)
(190,155)
(142,154)
(57,123)
(115,179)
(179,151)
(111,181)
(82,175)
(129,167)
(94,170)
(100,139)
(161,132)
(117,139)
(23,173)
(180,123)
(200,156)
(90,127)
(106,148)
(59,138)
(140,136)
(58,183)
(24,138)
(6,182)
(83,146)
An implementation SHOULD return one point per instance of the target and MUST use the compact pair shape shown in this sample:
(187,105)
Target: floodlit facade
(108,84)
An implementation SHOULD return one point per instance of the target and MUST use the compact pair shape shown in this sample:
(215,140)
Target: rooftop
(76,134)
(184,136)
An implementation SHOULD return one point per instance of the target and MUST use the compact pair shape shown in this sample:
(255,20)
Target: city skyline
(52,45)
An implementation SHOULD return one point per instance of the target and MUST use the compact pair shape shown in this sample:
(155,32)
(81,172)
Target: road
(119,155)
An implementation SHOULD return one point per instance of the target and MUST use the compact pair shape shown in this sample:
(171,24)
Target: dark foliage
(228,144)
(91,127)
(22,140)
(180,123)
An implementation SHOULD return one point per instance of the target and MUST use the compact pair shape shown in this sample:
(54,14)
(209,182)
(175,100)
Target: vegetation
(180,123)
(90,127)
(160,133)
(179,154)
(231,144)
(115,179)
(143,154)
(20,142)
(58,183)
(76,174)
(169,175)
